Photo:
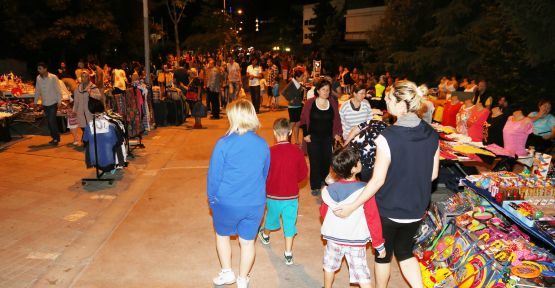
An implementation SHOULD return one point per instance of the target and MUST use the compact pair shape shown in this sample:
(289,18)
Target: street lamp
(240,11)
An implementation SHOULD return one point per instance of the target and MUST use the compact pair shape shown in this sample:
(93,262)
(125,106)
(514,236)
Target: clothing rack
(140,145)
(130,148)
(99,174)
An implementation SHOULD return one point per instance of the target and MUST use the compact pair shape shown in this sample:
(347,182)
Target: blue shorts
(230,220)
(275,90)
(287,209)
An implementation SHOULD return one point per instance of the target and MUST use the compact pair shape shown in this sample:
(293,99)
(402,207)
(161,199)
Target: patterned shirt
(364,142)
(272,74)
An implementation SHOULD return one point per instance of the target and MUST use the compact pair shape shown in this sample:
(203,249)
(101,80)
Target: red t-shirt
(287,169)
(450,114)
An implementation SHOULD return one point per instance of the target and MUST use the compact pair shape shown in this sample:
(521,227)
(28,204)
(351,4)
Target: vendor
(544,127)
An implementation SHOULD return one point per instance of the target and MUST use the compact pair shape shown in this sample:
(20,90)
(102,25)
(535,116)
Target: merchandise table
(549,243)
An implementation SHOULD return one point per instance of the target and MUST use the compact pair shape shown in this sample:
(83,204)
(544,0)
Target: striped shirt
(351,117)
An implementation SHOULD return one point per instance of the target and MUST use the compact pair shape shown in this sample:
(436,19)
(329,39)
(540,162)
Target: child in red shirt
(287,169)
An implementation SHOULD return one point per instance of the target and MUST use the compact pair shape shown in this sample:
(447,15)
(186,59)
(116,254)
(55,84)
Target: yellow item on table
(467,149)
(447,129)
(438,114)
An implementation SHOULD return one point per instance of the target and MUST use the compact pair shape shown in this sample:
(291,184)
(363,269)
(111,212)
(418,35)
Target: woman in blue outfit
(237,189)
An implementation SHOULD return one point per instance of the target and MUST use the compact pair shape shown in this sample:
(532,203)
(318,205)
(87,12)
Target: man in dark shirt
(180,75)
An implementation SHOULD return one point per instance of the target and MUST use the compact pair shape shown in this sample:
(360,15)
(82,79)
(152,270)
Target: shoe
(224,278)
(264,240)
(315,192)
(54,142)
(242,282)
(215,118)
(76,143)
(288,259)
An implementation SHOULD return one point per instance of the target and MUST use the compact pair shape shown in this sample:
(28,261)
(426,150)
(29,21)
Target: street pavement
(151,228)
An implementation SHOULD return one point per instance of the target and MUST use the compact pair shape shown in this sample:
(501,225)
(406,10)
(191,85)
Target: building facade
(361,17)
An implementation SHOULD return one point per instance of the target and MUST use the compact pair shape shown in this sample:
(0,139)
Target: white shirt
(296,83)
(48,89)
(310,93)
(254,71)
(234,72)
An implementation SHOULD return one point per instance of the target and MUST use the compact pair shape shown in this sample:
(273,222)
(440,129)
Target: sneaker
(242,282)
(264,240)
(224,278)
(288,259)
(54,142)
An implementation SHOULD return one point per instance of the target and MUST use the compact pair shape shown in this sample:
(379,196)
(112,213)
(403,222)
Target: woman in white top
(357,110)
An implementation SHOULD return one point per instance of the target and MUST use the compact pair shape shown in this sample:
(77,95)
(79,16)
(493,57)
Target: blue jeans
(235,87)
(50,114)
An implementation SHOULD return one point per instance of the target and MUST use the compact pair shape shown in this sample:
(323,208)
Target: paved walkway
(150,229)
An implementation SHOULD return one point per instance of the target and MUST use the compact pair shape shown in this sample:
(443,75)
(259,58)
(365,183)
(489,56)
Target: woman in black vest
(407,161)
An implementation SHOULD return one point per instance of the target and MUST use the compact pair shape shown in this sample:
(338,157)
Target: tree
(57,27)
(175,10)
(212,30)
(469,38)
(328,26)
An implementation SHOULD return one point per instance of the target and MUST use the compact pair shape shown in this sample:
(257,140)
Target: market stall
(499,232)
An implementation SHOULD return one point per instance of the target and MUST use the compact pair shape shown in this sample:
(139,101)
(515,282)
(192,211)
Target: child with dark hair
(348,236)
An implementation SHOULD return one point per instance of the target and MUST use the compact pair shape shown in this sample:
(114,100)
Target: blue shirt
(238,170)
(106,138)
(543,125)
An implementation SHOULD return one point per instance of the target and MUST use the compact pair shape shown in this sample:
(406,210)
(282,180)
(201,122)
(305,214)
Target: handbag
(191,95)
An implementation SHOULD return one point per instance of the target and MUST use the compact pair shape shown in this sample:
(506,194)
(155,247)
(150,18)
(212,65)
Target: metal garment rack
(99,173)
(130,148)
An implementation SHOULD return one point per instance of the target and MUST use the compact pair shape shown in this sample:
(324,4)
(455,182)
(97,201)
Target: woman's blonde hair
(406,91)
(242,117)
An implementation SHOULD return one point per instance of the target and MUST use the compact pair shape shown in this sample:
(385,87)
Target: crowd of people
(495,120)
(355,162)
(356,151)
(352,216)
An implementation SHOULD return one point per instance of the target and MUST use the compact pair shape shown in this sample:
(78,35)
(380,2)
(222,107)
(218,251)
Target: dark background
(511,43)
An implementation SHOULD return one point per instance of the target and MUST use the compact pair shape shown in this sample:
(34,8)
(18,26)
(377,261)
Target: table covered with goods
(498,232)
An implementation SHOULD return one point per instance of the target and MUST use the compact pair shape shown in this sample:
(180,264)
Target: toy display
(475,246)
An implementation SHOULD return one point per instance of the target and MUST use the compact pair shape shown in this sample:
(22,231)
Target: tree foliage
(63,24)
(328,27)
(479,39)
(211,30)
